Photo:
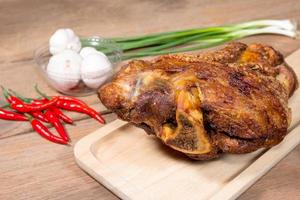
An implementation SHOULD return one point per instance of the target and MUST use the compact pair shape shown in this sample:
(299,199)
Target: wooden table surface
(33,168)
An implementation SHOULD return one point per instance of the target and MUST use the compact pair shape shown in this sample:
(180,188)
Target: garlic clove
(95,70)
(70,33)
(75,44)
(64,39)
(59,38)
(58,41)
(96,82)
(85,51)
(64,70)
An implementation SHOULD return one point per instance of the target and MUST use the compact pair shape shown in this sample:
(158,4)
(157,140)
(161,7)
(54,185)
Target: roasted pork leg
(233,100)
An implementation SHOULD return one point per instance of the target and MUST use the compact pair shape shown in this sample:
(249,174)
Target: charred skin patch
(236,145)
(237,80)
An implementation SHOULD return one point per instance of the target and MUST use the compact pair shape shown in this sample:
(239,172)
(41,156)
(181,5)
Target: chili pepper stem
(5,92)
(25,99)
(5,106)
(29,117)
(40,92)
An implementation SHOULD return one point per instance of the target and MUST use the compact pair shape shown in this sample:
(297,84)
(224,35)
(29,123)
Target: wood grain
(28,24)
(33,168)
(25,25)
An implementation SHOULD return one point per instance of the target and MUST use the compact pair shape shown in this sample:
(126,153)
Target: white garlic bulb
(64,70)
(85,51)
(64,39)
(95,70)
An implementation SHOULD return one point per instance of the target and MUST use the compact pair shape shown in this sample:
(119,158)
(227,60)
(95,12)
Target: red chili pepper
(44,131)
(81,107)
(18,105)
(8,115)
(39,115)
(55,110)
(61,115)
(39,101)
(57,125)
(72,106)
(66,98)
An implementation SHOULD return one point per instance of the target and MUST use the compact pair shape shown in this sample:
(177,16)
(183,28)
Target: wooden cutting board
(134,165)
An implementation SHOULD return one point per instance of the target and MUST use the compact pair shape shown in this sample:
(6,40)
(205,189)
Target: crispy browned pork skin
(234,100)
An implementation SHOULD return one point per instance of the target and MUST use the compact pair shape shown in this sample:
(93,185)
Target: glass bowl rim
(44,48)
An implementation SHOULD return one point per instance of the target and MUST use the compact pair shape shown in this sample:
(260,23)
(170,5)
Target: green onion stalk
(195,39)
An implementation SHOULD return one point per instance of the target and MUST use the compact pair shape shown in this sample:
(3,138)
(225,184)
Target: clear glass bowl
(110,48)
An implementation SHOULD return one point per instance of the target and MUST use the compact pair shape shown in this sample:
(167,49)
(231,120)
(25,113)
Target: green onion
(195,39)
